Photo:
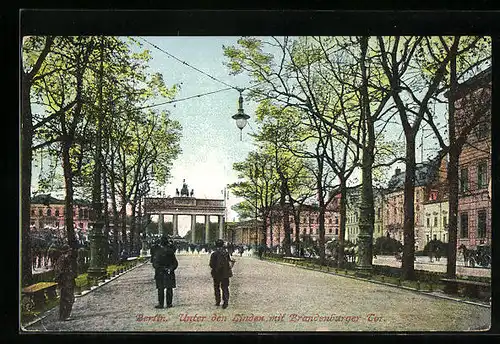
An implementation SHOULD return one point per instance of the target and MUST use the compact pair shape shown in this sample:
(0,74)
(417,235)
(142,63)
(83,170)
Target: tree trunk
(452,175)
(453,180)
(105,202)
(321,204)
(115,255)
(296,216)
(133,243)
(321,240)
(68,203)
(124,216)
(26,157)
(409,213)
(367,209)
(343,216)
(286,219)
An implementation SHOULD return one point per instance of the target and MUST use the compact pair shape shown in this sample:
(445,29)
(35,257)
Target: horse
(469,255)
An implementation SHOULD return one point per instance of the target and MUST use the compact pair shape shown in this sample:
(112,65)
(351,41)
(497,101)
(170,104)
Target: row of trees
(326,108)
(86,105)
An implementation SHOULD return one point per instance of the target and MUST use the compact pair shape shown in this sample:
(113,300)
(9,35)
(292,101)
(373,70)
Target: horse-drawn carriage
(480,256)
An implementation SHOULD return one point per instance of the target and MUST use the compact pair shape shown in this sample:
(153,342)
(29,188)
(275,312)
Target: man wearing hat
(65,278)
(221,263)
(165,263)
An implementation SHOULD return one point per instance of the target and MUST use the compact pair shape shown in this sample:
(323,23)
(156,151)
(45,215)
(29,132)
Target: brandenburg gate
(186,204)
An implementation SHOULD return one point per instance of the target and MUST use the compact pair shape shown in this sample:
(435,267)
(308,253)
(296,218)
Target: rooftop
(425,173)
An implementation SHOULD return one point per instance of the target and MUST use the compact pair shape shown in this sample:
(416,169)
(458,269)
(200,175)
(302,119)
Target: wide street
(265,296)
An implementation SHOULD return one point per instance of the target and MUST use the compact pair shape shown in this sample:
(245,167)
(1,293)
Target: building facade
(435,221)
(474,205)
(426,175)
(308,225)
(47,211)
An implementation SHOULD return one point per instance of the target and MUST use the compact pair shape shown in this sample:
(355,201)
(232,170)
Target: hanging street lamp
(241,118)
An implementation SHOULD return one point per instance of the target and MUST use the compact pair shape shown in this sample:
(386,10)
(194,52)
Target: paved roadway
(423,263)
(265,296)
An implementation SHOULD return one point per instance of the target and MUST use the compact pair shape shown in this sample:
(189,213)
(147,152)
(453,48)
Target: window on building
(435,237)
(435,221)
(464,225)
(427,237)
(445,221)
(481,175)
(428,222)
(57,224)
(481,224)
(464,179)
(336,220)
(49,212)
(336,231)
(330,220)
(80,225)
(33,212)
(57,212)
(40,212)
(80,213)
(330,230)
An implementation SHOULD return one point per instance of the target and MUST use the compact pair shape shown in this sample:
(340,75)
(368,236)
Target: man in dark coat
(165,263)
(220,263)
(261,251)
(65,277)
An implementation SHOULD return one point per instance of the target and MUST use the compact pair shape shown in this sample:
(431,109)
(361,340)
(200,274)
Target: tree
(468,57)
(258,187)
(35,50)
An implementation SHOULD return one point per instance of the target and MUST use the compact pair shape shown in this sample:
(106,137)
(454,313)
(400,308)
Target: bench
(471,289)
(293,260)
(38,291)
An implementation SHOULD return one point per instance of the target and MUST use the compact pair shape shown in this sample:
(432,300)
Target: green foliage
(432,245)
(386,245)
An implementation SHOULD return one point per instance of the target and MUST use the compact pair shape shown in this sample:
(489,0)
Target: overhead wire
(182,99)
(189,65)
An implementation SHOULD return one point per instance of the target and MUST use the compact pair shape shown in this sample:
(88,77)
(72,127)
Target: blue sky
(210,139)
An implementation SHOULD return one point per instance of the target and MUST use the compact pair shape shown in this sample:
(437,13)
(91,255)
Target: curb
(106,281)
(431,294)
(49,311)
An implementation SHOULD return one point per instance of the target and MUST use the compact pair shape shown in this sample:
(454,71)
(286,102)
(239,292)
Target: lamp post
(240,117)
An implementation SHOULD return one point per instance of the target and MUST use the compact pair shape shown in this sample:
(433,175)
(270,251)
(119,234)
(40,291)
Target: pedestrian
(221,265)
(165,263)
(240,250)
(437,253)
(65,278)
(261,251)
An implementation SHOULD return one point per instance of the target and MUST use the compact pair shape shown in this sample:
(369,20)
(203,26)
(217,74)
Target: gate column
(221,226)
(207,228)
(175,222)
(193,227)
(160,224)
